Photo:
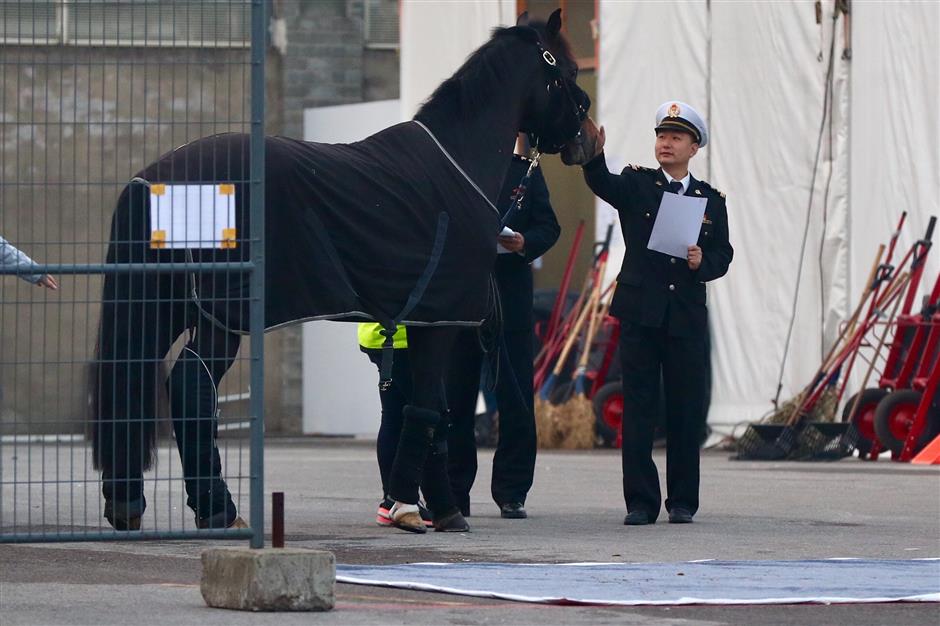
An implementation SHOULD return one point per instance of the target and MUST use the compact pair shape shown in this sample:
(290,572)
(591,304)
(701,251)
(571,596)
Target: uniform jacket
(537,223)
(656,289)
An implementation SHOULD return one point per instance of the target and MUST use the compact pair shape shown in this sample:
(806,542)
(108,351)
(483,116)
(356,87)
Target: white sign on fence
(192,216)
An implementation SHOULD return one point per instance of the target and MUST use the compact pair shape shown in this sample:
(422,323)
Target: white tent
(760,73)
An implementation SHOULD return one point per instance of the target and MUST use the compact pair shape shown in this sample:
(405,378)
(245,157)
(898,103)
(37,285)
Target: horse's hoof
(453,523)
(118,515)
(120,523)
(219,521)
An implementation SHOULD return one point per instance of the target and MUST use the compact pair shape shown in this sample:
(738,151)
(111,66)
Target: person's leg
(684,378)
(640,358)
(463,385)
(514,460)
(193,388)
(393,400)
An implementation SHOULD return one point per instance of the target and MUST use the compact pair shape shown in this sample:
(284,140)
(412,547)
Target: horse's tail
(126,379)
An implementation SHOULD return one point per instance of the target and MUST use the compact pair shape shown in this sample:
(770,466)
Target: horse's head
(555,106)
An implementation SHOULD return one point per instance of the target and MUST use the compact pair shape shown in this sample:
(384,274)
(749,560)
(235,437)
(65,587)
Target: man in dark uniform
(535,230)
(660,301)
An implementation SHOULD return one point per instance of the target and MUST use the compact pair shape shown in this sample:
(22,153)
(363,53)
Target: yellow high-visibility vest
(371,338)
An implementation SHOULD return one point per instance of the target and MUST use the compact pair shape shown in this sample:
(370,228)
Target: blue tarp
(695,582)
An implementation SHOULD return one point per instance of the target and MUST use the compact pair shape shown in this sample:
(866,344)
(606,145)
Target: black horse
(398,228)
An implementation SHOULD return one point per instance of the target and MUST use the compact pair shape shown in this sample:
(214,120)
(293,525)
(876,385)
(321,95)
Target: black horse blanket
(383,229)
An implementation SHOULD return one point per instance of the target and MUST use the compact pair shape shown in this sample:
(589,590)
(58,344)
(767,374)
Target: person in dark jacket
(534,230)
(660,301)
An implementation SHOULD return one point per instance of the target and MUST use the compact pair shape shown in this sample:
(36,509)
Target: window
(146,23)
(380,23)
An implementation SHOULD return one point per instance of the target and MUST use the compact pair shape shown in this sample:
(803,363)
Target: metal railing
(76,125)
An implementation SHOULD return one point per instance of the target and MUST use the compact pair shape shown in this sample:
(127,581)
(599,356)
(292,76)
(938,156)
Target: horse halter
(558,83)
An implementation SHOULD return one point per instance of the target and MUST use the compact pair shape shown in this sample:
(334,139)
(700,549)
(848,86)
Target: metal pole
(277,519)
(256,310)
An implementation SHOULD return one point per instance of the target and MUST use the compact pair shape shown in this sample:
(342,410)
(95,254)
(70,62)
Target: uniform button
(672,287)
(673,260)
(647,216)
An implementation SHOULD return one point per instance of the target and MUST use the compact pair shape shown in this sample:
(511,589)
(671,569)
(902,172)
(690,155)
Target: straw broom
(544,410)
(575,418)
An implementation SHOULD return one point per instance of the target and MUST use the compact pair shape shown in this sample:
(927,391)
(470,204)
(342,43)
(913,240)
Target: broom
(544,410)
(553,347)
(559,305)
(575,418)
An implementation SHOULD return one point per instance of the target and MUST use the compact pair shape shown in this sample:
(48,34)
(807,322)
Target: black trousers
(394,400)
(647,356)
(514,460)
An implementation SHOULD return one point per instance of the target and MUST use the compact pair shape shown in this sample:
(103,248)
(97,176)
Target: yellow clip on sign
(158,189)
(158,239)
(228,239)
(226,189)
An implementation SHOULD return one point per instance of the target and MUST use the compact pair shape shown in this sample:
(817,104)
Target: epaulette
(640,168)
(720,193)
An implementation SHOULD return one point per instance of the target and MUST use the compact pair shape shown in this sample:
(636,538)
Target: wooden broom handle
(594,306)
(569,343)
(850,326)
(826,362)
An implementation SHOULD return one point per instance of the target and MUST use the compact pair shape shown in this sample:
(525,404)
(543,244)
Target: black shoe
(638,518)
(678,515)
(512,510)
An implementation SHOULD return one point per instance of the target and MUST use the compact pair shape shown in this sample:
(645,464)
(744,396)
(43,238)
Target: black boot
(437,490)
(417,433)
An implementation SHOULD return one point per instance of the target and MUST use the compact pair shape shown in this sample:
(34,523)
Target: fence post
(256,311)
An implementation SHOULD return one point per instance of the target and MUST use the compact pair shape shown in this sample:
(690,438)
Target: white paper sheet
(192,216)
(506,232)
(678,223)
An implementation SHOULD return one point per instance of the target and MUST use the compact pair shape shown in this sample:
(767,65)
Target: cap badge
(674,110)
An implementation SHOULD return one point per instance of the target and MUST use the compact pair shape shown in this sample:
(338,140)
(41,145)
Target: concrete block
(268,580)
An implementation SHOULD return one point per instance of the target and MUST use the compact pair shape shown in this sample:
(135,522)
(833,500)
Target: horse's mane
(471,87)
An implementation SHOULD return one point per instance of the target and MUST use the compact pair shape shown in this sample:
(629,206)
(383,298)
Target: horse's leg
(193,387)
(421,459)
(141,315)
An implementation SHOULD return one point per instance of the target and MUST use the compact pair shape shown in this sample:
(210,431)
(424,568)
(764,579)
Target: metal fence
(94,91)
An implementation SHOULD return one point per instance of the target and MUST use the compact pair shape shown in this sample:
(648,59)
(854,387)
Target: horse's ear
(523,19)
(553,27)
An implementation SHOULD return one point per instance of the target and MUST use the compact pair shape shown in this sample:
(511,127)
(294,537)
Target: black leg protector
(435,483)
(417,434)
(193,399)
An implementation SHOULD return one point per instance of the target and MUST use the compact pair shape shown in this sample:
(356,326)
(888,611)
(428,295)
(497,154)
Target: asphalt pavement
(750,510)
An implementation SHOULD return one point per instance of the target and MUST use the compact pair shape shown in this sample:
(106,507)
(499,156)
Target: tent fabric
(376,218)
(437,37)
(628,98)
(895,128)
(695,582)
(758,72)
